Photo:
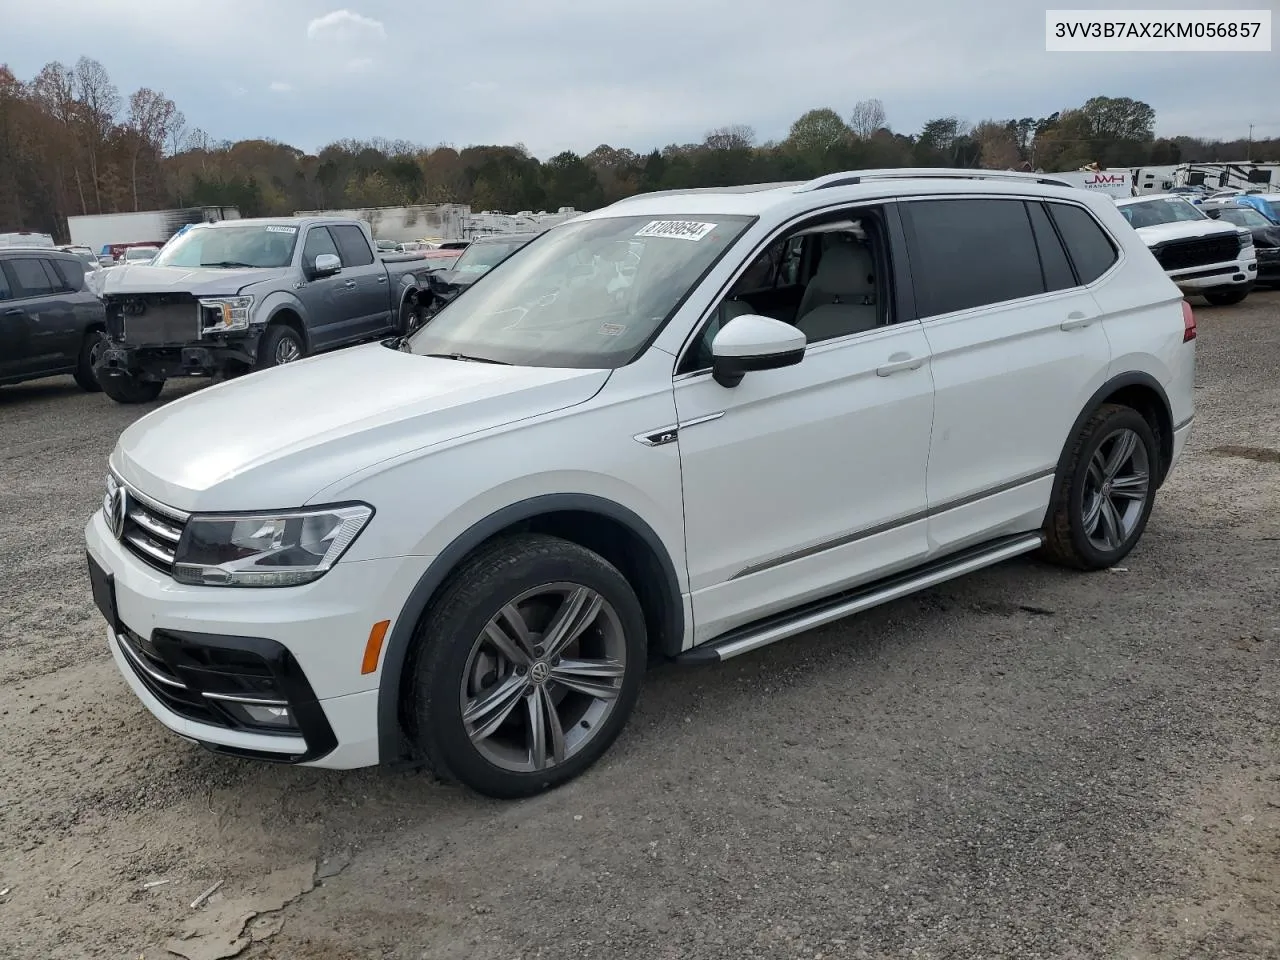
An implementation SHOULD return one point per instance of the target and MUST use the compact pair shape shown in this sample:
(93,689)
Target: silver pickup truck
(240,295)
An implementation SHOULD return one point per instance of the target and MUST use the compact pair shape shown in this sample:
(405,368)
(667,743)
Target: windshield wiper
(463,356)
(229,263)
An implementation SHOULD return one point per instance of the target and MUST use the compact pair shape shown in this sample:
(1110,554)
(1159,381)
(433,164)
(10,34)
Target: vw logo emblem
(539,672)
(119,507)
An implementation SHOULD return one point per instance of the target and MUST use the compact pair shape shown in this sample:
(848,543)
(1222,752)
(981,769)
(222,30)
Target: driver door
(331,314)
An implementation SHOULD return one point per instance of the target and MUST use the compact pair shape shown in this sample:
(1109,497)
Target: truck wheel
(1101,507)
(281,344)
(526,668)
(412,315)
(90,352)
(123,388)
(1225,298)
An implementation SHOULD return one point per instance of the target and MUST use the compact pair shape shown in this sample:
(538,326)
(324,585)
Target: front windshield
(1152,213)
(483,257)
(1243,217)
(248,245)
(589,293)
(140,253)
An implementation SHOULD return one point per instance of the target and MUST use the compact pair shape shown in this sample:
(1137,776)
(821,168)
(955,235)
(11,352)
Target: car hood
(453,278)
(199,281)
(277,437)
(1183,230)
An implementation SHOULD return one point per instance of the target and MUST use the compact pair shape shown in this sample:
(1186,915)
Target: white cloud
(279,86)
(345,25)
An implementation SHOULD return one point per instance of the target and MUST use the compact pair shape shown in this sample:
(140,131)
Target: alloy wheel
(543,677)
(287,350)
(1116,487)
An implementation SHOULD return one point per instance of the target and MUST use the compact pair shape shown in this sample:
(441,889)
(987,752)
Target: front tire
(123,388)
(90,352)
(526,668)
(1100,509)
(412,315)
(1225,298)
(281,344)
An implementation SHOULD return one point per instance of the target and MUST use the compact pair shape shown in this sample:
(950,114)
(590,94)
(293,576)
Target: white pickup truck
(1201,255)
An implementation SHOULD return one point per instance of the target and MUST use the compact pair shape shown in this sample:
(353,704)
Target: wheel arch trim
(391,746)
(1133,378)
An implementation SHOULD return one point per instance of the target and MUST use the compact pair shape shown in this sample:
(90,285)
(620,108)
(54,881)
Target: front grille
(154,319)
(1184,254)
(151,533)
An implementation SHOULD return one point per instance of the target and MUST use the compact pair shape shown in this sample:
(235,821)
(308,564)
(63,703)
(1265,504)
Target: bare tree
(177,132)
(99,103)
(54,89)
(151,116)
(867,117)
(736,137)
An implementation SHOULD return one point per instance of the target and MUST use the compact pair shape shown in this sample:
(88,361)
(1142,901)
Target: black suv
(49,323)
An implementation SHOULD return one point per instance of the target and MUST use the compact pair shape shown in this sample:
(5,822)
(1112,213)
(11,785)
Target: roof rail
(852,177)
(743,188)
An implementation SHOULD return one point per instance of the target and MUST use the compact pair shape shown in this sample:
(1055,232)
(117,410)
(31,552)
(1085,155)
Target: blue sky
(570,74)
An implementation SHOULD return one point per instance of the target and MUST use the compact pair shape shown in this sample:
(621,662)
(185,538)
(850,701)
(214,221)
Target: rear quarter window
(1088,245)
(970,253)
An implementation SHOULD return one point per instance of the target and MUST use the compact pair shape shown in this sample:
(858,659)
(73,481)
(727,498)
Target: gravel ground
(1025,763)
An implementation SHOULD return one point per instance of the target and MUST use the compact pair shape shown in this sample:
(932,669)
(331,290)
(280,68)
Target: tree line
(71,144)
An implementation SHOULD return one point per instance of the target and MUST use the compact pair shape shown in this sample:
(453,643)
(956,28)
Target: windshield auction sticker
(275,229)
(676,229)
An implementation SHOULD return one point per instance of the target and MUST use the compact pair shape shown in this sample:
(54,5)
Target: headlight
(280,549)
(223,314)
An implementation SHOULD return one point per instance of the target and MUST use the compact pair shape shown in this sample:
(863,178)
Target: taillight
(1188,323)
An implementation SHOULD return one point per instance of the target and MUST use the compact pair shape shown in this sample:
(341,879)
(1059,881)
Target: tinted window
(318,242)
(1057,268)
(30,277)
(66,275)
(1091,249)
(352,246)
(5,292)
(970,253)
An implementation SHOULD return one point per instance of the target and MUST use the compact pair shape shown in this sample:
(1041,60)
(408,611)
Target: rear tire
(1225,298)
(281,344)
(90,351)
(497,702)
(1100,507)
(123,388)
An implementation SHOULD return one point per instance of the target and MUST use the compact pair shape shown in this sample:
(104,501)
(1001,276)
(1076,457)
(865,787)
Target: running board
(821,612)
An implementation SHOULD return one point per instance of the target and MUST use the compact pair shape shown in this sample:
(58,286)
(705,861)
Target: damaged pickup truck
(239,295)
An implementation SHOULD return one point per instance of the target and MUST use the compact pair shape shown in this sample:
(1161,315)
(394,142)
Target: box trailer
(102,232)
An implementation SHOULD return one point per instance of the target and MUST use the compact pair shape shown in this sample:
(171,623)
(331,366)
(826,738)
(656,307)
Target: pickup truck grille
(154,319)
(1201,252)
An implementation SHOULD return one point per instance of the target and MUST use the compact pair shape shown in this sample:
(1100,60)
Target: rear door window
(970,253)
(30,277)
(352,245)
(1057,268)
(67,276)
(1090,248)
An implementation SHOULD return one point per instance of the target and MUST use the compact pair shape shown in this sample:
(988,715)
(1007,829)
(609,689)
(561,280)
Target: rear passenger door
(40,308)
(15,350)
(366,277)
(1017,350)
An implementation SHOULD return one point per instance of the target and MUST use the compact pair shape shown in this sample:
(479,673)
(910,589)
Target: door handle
(350,284)
(899,363)
(1075,320)
(13,312)
(382,279)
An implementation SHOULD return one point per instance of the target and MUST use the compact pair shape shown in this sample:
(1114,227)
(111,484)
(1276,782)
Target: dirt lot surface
(1025,763)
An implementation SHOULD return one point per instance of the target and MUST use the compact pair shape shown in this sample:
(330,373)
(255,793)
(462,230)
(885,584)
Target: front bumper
(1238,273)
(1269,264)
(302,646)
(201,358)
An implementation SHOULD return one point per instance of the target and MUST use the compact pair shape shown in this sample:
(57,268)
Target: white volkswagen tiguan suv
(462,547)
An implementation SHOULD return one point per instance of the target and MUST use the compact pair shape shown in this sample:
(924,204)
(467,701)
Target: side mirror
(326,265)
(752,342)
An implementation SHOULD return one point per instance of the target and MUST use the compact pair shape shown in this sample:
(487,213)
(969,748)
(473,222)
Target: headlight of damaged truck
(225,314)
(279,549)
